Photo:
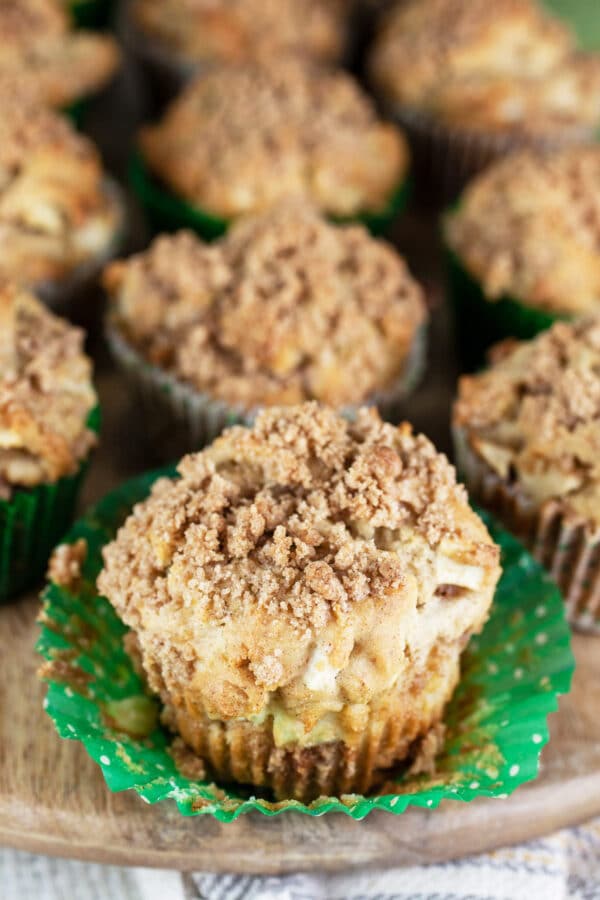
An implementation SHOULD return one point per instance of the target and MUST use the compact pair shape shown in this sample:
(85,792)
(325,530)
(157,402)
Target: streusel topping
(38,47)
(529,227)
(286,307)
(236,30)
(55,212)
(241,137)
(46,394)
(305,534)
(534,416)
(507,65)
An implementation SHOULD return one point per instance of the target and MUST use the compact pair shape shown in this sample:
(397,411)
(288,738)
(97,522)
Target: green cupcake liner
(496,722)
(480,322)
(32,522)
(167,212)
(91,13)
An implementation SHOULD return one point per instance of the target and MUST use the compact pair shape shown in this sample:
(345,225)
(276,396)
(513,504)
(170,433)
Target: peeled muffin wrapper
(481,322)
(168,212)
(178,418)
(496,721)
(32,522)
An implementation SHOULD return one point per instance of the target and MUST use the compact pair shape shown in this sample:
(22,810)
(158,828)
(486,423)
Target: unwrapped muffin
(527,437)
(285,308)
(38,47)
(61,218)
(525,244)
(242,137)
(470,80)
(47,429)
(300,596)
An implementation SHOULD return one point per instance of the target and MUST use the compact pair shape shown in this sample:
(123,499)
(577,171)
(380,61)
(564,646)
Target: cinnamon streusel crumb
(65,564)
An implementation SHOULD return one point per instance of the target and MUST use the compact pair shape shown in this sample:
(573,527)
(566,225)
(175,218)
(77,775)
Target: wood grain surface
(53,798)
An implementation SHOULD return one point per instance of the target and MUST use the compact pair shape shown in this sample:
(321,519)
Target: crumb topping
(285,307)
(55,212)
(66,562)
(241,137)
(45,394)
(529,227)
(222,30)
(508,65)
(534,416)
(257,580)
(38,47)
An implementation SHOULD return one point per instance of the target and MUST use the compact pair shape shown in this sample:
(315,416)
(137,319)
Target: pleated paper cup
(178,418)
(568,547)
(496,721)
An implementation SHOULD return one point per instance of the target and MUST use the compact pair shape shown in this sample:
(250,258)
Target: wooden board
(53,798)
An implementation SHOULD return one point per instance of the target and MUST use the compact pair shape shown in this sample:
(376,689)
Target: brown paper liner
(445,158)
(243,752)
(568,548)
(177,418)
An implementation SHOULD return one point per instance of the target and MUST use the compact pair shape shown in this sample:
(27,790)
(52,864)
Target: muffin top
(507,66)
(289,567)
(529,227)
(241,137)
(238,30)
(46,394)
(55,212)
(534,416)
(286,307)
(38,47)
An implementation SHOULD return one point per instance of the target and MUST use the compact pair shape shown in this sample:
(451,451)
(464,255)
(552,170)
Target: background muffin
(46,433)
(525,242)
(285,308)
(471,80)
(527,435)
(301,595)
(242,137)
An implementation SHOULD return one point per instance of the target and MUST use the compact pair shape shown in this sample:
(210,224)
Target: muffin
(47,429)
(242,137)
(527,437)
(61,218)
(524,244)
(285,308)
(39,47)
(299,597)
(471,81)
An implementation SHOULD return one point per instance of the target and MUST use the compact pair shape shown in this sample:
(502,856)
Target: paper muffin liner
(496,722)
(77,296)
(168,212)
(446,157)
(91,13)
(32,522)
(479,322)
(177,418)
(568,549)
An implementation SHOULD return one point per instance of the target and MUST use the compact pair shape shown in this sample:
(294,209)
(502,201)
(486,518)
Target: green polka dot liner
(168,212)
(496,721)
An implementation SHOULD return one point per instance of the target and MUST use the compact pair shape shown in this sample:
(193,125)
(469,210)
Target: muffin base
(178,418)
(568,547)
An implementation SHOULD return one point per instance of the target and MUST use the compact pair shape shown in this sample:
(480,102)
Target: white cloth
(564,866)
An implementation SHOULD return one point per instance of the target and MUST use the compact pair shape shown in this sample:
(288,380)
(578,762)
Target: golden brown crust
(242,137)
(55,213)
(45,394)
(506,66)
(534,417)
(286,307)
(209,31)
(298,573)
(38,48)
(529,227)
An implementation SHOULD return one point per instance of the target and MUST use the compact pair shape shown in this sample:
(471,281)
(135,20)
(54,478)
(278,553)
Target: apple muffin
(300,595)
(243,137)
(286,307)
(527,437)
